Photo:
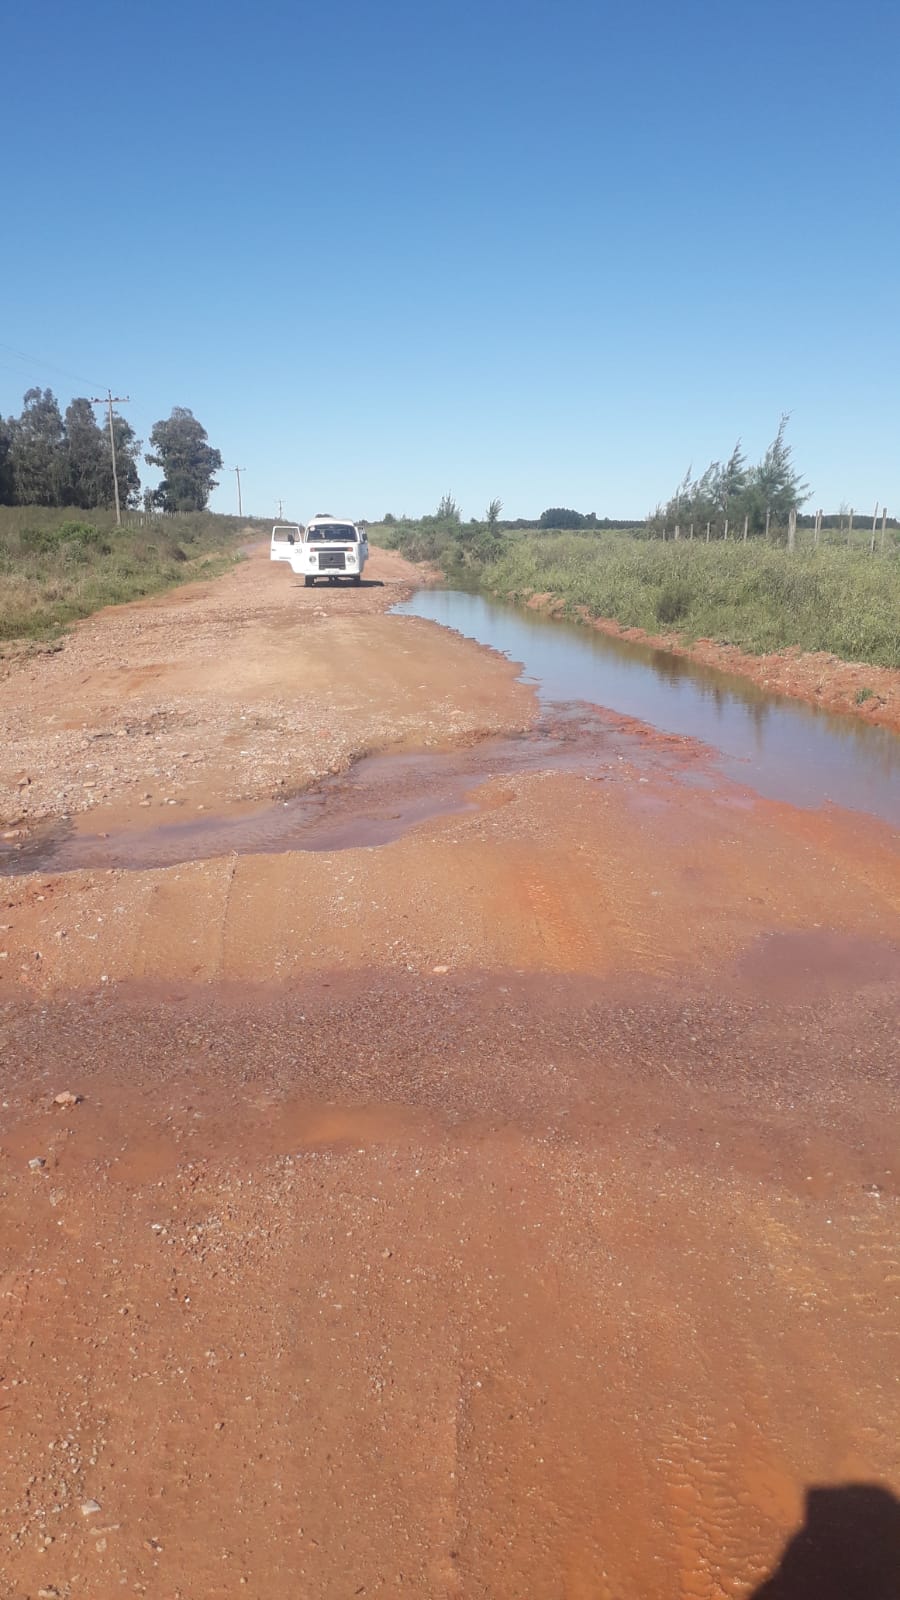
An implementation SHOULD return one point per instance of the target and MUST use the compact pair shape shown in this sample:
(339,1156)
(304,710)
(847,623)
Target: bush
(83,533)
(673,603)
(37,541)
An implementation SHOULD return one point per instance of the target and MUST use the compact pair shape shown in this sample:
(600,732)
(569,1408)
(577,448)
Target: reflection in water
(784,749)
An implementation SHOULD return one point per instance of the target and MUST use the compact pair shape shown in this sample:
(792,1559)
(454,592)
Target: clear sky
(551,252)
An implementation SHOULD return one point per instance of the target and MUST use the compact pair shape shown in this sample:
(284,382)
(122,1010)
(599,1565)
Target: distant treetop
(564,517)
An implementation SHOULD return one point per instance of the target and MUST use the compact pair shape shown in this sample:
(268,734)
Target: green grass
(59,565)
(755,595)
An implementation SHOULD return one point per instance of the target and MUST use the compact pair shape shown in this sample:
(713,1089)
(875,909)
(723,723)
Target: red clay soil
(508,1212)
(820,679)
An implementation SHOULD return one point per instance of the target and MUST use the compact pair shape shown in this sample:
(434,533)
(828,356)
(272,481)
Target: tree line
(51,459)
(555,517)
(726,497)
(732,496)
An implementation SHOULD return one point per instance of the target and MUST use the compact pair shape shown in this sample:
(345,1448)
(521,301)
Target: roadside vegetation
(756,595)
(829,592)
(729,557)
(56,566)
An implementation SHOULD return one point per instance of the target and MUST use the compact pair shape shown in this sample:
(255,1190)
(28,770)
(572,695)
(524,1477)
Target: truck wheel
(356,580)
(308,582)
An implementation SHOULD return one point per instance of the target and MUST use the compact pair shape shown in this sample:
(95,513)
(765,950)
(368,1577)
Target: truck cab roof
(327,527)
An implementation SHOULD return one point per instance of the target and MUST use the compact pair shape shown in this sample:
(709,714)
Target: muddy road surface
(449,1143)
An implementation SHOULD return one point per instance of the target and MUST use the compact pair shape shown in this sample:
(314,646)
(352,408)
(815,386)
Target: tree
(775,485)
(181,449)
(730,492)
(733,483)
(128,452)
(7,479)
(87,471)
(448,510)
(85,458)
(492,514)
(561,517)
(36,452)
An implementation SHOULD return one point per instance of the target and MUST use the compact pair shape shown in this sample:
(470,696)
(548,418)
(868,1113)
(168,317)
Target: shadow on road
(847,1549)
(365,583)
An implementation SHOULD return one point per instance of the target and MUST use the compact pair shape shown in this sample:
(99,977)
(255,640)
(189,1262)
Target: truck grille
(331,560)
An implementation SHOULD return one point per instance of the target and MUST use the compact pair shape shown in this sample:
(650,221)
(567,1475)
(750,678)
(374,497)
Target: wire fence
(880,535)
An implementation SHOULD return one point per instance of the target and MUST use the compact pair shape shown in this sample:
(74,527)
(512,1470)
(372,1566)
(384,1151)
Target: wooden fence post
(849,527)
(746,525)
(874,526)
(818,526)
(768,520)
(707,533)
(792,529)
(692,530)
(883,526)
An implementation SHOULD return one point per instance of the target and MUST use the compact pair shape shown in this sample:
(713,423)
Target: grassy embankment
(58,565)
(757,595)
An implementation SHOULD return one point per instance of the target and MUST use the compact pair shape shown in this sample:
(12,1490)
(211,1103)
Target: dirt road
(503,1207)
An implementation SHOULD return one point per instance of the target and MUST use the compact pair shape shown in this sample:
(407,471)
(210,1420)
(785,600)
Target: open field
(503,1208)
(58,565)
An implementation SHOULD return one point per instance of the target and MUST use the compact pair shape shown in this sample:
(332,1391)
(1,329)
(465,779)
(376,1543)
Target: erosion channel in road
(783,749)
(478,1175)
(592,687)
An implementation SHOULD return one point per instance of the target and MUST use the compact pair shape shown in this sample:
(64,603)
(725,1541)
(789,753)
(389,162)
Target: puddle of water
(377,801)
(779,747)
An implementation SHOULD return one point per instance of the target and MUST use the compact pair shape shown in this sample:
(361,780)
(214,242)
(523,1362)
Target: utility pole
(280,510)
(237,472)
(113,400)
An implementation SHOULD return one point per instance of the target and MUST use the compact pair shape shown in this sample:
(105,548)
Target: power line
(36,361)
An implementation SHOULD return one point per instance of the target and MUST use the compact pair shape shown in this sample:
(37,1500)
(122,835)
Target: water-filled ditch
(781,748)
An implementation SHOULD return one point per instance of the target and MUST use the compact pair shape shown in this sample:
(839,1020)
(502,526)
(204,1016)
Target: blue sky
(548,252)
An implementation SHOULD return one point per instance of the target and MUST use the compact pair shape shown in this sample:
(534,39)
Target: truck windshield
(341,532)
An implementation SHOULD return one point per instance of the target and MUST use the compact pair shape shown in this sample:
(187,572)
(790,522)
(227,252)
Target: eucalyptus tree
(37,450)
(180,448)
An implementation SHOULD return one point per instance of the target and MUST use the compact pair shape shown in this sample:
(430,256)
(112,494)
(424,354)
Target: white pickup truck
(330,548)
